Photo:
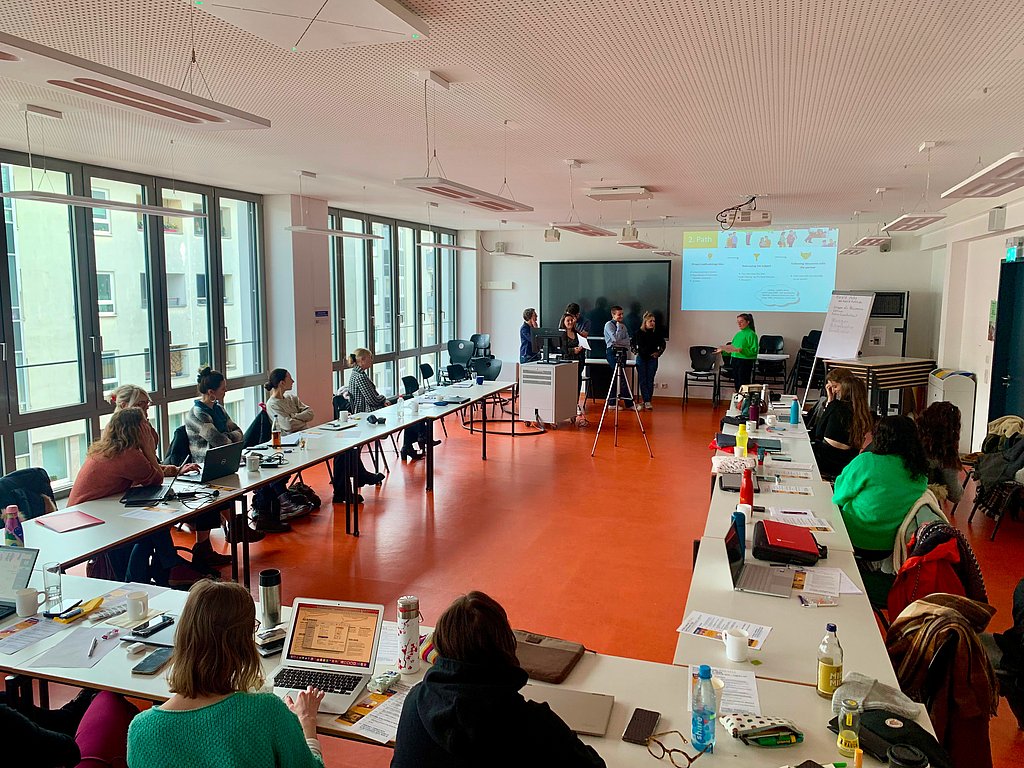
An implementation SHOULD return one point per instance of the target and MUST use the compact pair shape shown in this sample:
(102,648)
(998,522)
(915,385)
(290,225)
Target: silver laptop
(760,579)
(16,564)
(583,712)
(331,645)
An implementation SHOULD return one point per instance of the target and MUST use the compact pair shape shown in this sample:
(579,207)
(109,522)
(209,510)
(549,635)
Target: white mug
(736,644)
(27,601)
(253,461)
(771,420)
(751,426)
(138,605)
(415,407)
(342,417)
(746,509)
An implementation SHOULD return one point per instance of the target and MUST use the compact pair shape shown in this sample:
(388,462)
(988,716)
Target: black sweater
(648,341)
(27,743)
(465,715)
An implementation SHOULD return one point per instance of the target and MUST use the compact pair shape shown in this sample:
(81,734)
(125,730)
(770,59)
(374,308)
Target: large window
(408,310)
(239,248)
(382,304)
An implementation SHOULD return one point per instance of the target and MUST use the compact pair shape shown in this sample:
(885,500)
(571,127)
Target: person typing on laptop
(215,715)
(469,710)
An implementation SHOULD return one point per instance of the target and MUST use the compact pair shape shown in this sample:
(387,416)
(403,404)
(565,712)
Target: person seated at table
(845,421)
(878,487)
(124,457)
(203,554)
(939,426)
(291,413)
(468,710)
(526,353)
(91,727)
(216,716)
(364,397)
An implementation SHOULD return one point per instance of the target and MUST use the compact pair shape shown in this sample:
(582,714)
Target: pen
(70,608)
(92,647)
(112,633)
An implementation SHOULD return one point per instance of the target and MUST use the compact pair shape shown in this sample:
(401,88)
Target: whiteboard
(845,323)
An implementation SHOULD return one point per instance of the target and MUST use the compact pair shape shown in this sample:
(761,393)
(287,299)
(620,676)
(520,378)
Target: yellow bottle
(741,440)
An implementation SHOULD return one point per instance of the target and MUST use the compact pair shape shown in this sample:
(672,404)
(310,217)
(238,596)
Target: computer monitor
(544,339)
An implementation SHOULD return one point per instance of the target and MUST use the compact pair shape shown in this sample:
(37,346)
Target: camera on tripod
(620,355)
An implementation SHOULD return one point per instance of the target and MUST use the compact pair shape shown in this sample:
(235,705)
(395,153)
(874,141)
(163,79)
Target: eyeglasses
(659,750)
(257,627)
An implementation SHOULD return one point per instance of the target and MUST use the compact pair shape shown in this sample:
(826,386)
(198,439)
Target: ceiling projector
(747,219)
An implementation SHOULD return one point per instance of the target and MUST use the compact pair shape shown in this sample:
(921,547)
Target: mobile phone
(153,663)
(641,726)
(152,626)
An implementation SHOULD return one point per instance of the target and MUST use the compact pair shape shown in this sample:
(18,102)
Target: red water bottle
(747,487)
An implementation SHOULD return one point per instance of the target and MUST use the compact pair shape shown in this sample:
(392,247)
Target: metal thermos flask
(270,598)
(408,634)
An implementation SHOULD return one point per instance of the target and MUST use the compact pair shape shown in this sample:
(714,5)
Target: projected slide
(789,270)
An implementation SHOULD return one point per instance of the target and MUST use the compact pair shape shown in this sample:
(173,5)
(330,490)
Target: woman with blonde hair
(839,432)
(216,716)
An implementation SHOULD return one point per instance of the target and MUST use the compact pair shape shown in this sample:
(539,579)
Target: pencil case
(761,731)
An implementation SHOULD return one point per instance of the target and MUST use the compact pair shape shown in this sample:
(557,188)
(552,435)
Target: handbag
(760,731)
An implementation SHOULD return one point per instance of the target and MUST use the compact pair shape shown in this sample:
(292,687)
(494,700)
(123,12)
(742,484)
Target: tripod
(618,379)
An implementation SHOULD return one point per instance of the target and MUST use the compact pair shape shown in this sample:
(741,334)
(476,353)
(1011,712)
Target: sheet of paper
(800,517)
(387,648)
(381,724)
(152,514)
(820,581)
(846,585)
(777,465)
(793,490)
(739,693)
(312,435)
(783,472)
(581,341)
(27,631)
(73,650)
(701,624)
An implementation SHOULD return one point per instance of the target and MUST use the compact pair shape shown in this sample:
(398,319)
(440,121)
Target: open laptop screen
(735,553)
(333,634)
(16,565)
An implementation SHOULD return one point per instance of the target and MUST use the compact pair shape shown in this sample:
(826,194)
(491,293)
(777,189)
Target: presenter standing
(648,345)
(743,350)
(616,340)
(526,353)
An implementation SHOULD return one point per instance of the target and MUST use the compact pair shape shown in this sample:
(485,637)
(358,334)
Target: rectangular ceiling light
(438,186)
(1002,176)
(79,201)
(872,241)
(28,62)
(619,193)
(332,232)
(664,253)
(446,247)
(631,239)
(580,228)
(851,251)
(911,222)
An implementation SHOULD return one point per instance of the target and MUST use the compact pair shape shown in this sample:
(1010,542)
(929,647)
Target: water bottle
(794,412)
(755,408)
(275,435)
(14,536)
(830,663)
(741,528)
(270,598)
(705,711)
(747,487)
(408,634)
(741,440)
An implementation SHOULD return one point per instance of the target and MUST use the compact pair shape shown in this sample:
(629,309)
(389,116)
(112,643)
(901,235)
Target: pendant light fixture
(664,248)
(631,238)
(1004,175)
(436,245)
(853,250)
(912,222)
(572,223)
(878,240)
(301,227)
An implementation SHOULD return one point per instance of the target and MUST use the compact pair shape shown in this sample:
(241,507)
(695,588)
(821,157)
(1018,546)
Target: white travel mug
(253,461)
(138,605)
(27,601)
(408,634)
(736,644)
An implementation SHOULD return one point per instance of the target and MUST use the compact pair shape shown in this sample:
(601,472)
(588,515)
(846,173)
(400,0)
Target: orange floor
(593,549)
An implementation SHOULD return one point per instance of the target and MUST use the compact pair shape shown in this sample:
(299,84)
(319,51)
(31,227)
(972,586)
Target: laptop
(332,645)
(16,564)
(147,495)
(760,579)
(585,713)
(220,462)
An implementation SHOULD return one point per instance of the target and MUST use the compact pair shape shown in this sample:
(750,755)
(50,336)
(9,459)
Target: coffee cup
(771,420)
(27,601)
(751,425)
(737,646)
(138,605)
(342,417)
(252,462)
(746,509)
(479,379)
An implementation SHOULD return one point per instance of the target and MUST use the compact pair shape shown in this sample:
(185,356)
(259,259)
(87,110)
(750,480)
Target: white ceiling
(814,102)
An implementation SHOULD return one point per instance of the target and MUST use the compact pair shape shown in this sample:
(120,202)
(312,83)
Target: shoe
(412,455)
(339,498)
(648,407)
(371,478)
(204,557)
(251,534)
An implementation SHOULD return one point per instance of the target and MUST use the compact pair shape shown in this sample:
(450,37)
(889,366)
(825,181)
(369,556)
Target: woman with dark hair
(468,710)
(840,430)
(292,414)
(743,349)
(207,423)
(878,488)
(216,716)
(939,426)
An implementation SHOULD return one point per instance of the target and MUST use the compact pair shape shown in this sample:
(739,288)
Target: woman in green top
(214,719)
(879,486)
(743,350)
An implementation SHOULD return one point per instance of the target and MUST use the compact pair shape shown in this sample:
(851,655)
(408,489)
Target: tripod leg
(640,422)
(604,410)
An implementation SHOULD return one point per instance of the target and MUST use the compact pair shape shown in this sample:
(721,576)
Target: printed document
(701,624)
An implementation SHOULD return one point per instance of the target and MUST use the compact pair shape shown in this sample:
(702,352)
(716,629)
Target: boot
(251,534)
(411,454)
(205,558)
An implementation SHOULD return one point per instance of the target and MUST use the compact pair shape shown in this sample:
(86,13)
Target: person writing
(743,350)
(468,710)
(215,716)
(616,341)
(526,353)
(291,413)
(648,345)
(839,431)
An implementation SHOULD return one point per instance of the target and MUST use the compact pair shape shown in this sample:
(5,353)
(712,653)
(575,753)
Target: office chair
(426,371)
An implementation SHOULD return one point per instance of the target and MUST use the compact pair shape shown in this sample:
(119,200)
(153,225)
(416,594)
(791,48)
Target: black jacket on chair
(26,488)
(465,715)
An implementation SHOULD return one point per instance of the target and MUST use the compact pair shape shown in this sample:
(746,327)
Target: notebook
(332,645)
(754,577)
(62,522)
(548,659)
(583,712)
(16,564)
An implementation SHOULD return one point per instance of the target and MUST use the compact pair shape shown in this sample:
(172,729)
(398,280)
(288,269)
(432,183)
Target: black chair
(489,368)
(178,451)
(456,372)
(427,372)
(771,370)
(800,373)
(340,404)
(29,489)
(481,344)
(703,373)
(725,370)
(460,352)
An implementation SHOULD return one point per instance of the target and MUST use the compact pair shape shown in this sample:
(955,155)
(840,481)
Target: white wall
(905,268)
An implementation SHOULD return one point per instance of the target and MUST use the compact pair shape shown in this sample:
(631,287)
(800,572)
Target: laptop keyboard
(766,579)
(328,682)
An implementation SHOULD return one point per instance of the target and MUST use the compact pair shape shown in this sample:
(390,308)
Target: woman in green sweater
(743,350)
(877,489)
(214,719)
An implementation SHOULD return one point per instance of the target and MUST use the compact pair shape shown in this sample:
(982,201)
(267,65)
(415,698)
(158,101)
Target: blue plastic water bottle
(705,711)
(794,412)
(741,528)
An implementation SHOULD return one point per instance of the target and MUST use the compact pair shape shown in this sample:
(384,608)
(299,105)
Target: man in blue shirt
(526,353)
(616,339)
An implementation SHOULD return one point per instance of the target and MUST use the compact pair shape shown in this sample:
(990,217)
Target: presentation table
(884,373)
